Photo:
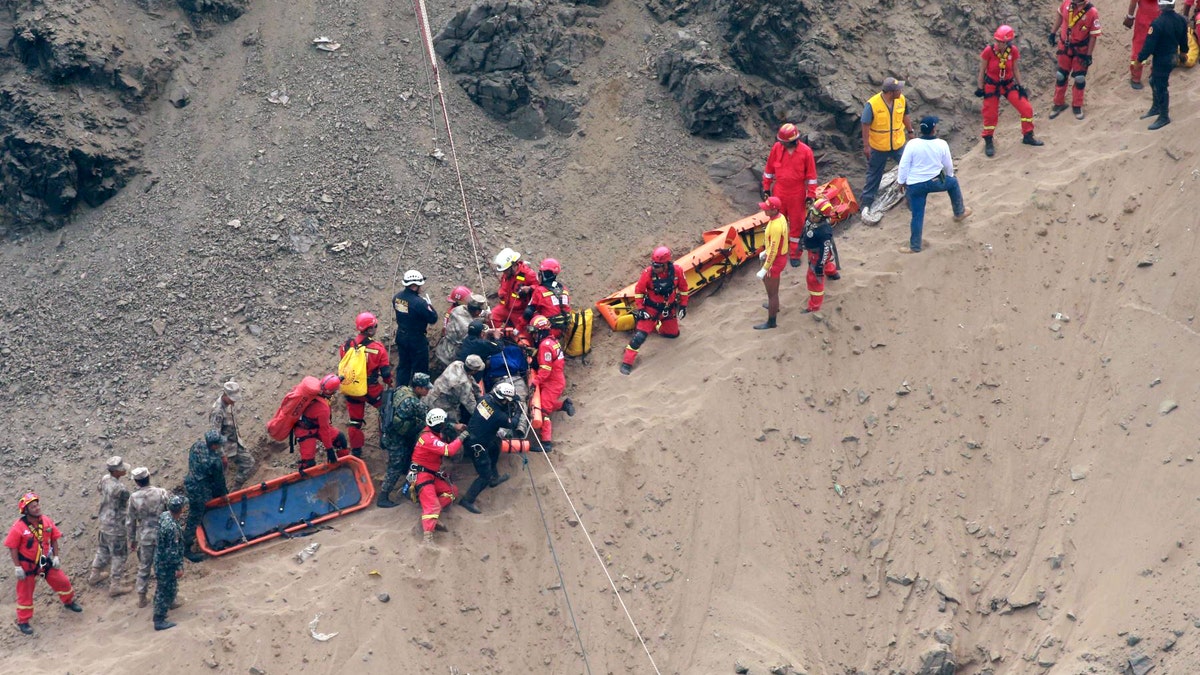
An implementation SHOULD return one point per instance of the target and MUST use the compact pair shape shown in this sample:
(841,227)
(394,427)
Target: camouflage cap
(175,503)
(116,464)
(476,301)
(474,363)
(420,380)
(140,473)
(213,437)
(233,390)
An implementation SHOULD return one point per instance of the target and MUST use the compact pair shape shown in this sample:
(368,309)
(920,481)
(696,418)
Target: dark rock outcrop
(709,93)
(217,10)
(516,59)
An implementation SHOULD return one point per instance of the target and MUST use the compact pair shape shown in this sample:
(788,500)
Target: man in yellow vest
(885,129)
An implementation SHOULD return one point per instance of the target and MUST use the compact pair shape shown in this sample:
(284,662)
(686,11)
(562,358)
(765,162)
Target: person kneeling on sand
(927,167)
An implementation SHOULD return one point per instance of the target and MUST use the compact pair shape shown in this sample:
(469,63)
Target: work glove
(681,313)
(979,92)
(179,573)
(818,270)
(56,563)
(20,572)
(528,313)
(525,291)
(762,255)
(1054,39)
(641,315)
(503,433)
(1128,22)
(339,441)
(330,456)
(1022,91)
(762,273)
(1086,60)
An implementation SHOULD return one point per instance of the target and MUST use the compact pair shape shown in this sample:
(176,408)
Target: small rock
(159,326)
(739,668)
(384,597)
(785,669)
(944,635)
(1168,645)
(802,440)
(905,389)
(1132,640)
(1145,262)
(945,590)
(1079,472)
(254,329)
(1164,408)
(974,445)
(257,671)
(211,662)
(863,397)
(180,97)
(1139,664)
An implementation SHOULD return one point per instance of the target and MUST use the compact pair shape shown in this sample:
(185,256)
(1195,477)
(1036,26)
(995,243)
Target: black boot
(1162,121)
(357,452)
(163,624)
(1030,140)
(1152,112)
(498,480)
(194,556)
(568,407)
(1078,110)
(989,148)
(546,446)
(384,502)
(73,606)
(626,369)
(470,506)
(764,326)
(1057,110)
(24,628)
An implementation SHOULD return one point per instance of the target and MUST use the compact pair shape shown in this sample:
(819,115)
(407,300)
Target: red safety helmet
(771,203)
(459,294)
(788,133)
(662,254)
(365,320)
(539,323)
(25,500)
(1005,33)
(823,206)
(330,384)
(550,265)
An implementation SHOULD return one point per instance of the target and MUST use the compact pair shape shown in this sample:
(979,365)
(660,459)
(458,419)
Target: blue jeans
(916,203)
(875,168)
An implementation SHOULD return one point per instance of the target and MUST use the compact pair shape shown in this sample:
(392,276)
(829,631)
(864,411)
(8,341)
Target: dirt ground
(936,460)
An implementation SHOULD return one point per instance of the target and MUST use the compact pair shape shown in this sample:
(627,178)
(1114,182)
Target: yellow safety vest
(887,126)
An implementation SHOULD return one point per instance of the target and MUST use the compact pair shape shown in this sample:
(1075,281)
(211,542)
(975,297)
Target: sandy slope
(727,547)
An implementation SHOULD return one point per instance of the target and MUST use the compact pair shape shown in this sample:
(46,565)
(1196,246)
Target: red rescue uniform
(661,296)
(315,425)
(433,487)
(791,175)
(1078,27)
(379,374)
(550,381)
(998,83)
(554,304)
(32,542)
(516,286)
(1143,15)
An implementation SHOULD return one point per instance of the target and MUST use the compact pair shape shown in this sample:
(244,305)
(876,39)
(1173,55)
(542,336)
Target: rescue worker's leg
(485,469)
(641,331)
(25,598)
(308,452)
(494,457)
(356,410)
(408,355)
(669,328)
(795,209)
(875,166)
(815,282)
(62,586)
(1024,109)
(1159,80)
(1078,82)
(1061,77)
(991,115)
(551,393)
(164,597)
(1140,29)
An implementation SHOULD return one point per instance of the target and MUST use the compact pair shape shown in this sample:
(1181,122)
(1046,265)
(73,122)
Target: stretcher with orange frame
(281,506)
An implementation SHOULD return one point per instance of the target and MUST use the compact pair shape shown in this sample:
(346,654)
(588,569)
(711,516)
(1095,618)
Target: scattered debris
(1059,316)
(308,552)
(438,155)
(319,637)
(326,45)
(235,224)
(1079,472)
(1167,406)
(384,597)
(278,97)
(340,246)
(1145,262)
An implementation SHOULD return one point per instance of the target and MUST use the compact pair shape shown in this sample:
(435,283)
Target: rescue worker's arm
(768,177)
(431,314)
(1183,44)
(639,291)
(979,76)
(131,525)
(810,172)
(681,286)
(1130,14)
(12,552)
(1058,20)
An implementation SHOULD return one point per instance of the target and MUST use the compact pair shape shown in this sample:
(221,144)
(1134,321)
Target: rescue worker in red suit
(1141,14)
(774,256)
(661,301)
(550,298)
(1075,31)
(791,175)
(548,377)
(517,280)
(379,376)
(999,77)
(32,542)
(430,484)
(822,261)
(315,425)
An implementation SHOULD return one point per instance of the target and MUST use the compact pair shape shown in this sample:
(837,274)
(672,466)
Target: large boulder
(218,10)
(516,60)
(709,93)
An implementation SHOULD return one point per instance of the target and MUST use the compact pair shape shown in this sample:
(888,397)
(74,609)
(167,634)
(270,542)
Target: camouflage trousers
(241,458)
(111,550)
(164,593)
(397,469)
(196,502)
(145,566)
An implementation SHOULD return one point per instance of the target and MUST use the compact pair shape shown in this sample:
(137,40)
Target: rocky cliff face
(74,79)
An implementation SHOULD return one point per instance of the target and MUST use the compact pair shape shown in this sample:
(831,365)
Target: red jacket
(999,66)
(792,173)
(32,543)
(378,366)
(316,422)
(549,304)
(550,362)
(430,449)
(657,294)
(1077,28)
(511,282)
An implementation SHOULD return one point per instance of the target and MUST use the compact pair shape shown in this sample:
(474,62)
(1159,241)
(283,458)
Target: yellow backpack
(1193,53)
(353,369)
(578,338)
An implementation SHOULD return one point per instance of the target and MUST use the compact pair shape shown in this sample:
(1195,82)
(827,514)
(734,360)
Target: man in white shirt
(926,167)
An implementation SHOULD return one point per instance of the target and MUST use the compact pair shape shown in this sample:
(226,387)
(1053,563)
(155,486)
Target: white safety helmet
(506,258)
(1166,3)
(505,391)
(435,417)
(412,277)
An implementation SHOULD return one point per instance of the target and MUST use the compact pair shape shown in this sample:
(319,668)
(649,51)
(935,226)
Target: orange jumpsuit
(433,487)
(792,176)
(1076,32)
(33,544)
(315,425)
(550,381)
(1143,15)
(516,285)
(997,84)
(379,373)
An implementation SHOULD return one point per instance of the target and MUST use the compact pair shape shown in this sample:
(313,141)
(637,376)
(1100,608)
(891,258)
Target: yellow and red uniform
(379,373)
(34,543)
(1079,26)
(516,286)
(998,83)
(432,486)
(776,246)
(791,175)
(550,380)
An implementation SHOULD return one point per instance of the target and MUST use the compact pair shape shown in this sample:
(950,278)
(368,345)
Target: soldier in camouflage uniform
(399,437)
(146,504)
(456,388)
(457,324)
(168,562)
(224,423)
(111,547)
(205,480)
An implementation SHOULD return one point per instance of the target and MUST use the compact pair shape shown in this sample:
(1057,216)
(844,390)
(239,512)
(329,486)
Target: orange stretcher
(284,505)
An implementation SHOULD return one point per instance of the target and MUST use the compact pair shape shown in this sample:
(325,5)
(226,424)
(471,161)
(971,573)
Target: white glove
(54,562)
(20,571)
(762,273)
(762,255)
